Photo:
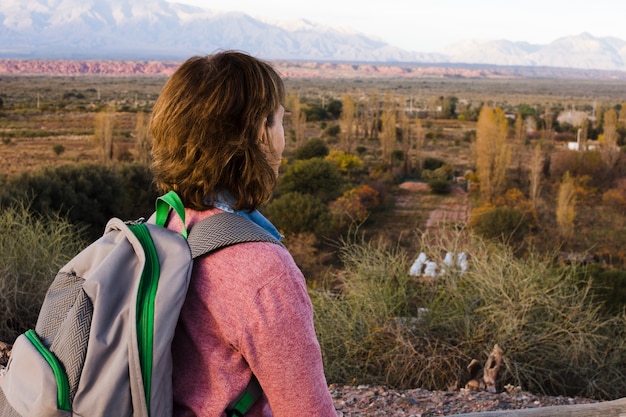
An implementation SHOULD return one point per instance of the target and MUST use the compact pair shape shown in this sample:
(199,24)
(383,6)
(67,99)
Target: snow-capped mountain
(157,29)
(582,51)
(165,30)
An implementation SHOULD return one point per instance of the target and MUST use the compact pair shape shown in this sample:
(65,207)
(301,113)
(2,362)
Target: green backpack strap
(242,404)
(214,232)
(167,202)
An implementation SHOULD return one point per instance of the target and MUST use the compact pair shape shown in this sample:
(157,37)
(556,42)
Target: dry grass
(33,249)
(386,327)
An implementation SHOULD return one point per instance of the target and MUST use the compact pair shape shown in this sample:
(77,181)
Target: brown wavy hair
(207,127)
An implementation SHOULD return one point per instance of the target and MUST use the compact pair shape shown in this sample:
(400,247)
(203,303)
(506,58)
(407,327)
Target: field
(38,112)
(51,120)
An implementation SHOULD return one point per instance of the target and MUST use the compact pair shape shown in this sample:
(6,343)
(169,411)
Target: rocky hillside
(71,67)
(311,69)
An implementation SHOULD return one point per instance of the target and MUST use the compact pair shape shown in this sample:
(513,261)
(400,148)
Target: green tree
(335,108)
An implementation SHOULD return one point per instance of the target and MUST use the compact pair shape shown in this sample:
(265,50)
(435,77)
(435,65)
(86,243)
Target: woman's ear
(264,134)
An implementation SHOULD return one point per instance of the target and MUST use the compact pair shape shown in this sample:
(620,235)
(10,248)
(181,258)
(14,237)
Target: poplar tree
(492,152)
(519,128)
(548,118)
(298,119)
(608,148)
(536,165)
(142,137)
(566,207)
(388,130)
(103,132)
(407,137)
(419,144)
(519,143)
(372,113)
(348,112)
(583,135)
(622,115)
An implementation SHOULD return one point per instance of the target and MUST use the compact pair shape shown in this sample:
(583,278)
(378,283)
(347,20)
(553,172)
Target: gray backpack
(101,345)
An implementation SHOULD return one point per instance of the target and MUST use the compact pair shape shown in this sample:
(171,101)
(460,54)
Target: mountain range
(163,30)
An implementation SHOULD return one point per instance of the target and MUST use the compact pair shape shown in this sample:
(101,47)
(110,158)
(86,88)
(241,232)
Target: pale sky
(427,25)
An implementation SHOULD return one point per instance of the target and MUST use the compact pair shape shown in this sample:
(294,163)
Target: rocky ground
(366,400)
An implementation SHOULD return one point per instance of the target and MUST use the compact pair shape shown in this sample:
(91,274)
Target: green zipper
(63,385)
(145,305)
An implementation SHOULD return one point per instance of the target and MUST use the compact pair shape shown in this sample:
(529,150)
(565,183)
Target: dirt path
(415,211)
(451,208)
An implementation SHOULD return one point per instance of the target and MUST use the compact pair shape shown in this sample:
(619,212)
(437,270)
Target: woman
(218,142)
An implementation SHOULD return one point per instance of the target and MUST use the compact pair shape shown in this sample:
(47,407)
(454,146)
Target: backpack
(101,345)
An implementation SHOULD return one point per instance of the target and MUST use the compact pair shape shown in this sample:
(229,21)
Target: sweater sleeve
(280,345)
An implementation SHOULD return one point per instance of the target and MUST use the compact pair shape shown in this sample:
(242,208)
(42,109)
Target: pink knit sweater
(247,311)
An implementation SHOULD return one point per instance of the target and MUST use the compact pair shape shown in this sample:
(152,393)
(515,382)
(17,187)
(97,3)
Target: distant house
(573,117)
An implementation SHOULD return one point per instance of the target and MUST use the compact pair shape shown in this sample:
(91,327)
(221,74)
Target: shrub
(433,163)
(86,194)
(505,224)
(397,155)
(385,327)
(345,162)
(316,177)
(443,172)
(295,213)
(439,185)
(610,289)
(354,205)
(333,131)
(33,249)
(614,199)
(58,149)
(314,148)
